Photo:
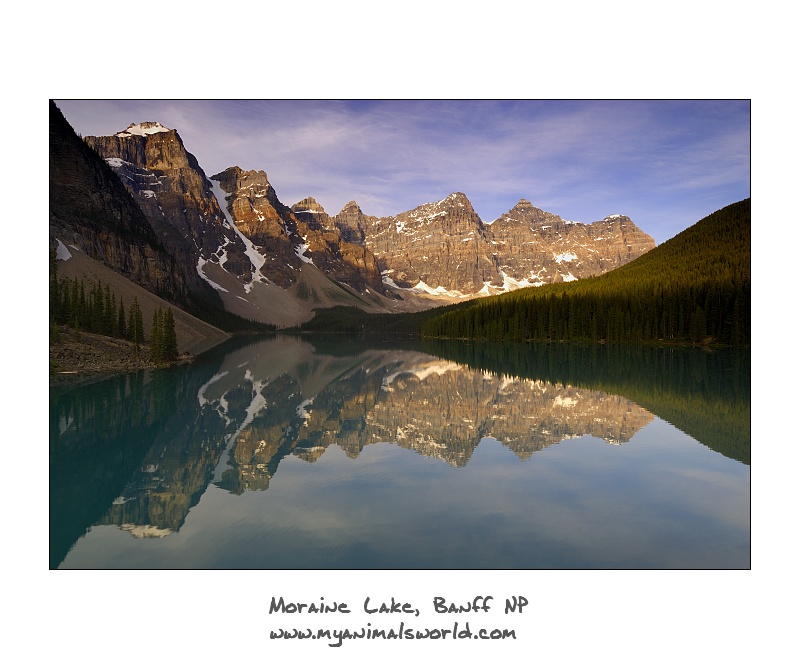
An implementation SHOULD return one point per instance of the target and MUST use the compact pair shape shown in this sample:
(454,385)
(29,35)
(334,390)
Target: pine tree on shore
(170,339)
(135,325)
(122,328)
(157,337)
(163,340)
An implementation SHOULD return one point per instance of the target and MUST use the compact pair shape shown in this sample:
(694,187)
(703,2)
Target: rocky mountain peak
(525,207)
(351,208)
(144,128)
(308,205)
(235,179)
(616,218)
(454,211)
(524,218)
(175,196)
(456,200)
(351,222)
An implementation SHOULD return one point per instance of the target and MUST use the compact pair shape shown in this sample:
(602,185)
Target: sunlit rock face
(90,210)
(232,232)
(335,249)
(535,247)
(177,198)
(436,248)
(258,214)
(444,249)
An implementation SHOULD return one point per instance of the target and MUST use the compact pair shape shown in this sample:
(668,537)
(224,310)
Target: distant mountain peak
(456,198)
(144,128)
(308,205)
(351,208)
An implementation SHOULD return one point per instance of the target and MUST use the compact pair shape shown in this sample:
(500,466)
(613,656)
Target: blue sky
(666,164)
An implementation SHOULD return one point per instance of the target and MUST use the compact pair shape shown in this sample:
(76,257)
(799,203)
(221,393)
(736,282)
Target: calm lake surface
(294,453)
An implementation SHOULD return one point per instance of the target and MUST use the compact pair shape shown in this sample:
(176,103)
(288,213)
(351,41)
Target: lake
(324,453)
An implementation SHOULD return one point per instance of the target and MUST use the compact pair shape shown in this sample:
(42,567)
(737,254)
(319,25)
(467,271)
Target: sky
(664,163)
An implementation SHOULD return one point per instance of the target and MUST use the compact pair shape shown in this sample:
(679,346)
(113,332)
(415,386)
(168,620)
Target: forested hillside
(694,288)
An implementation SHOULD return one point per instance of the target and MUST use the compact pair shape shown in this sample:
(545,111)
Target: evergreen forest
(94,308)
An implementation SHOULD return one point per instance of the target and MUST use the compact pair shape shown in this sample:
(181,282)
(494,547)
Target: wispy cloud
(664,163)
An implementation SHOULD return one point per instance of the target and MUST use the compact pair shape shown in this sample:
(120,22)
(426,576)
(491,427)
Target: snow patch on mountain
(61,252)
(200,263)
(568,256)
(300,251)
(257,259)
(142,129)
(388,281)
(423,287)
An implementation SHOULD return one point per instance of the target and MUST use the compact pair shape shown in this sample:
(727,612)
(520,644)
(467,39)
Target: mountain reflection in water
(139,451)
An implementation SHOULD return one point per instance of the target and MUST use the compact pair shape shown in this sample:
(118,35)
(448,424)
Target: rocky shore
(84,353)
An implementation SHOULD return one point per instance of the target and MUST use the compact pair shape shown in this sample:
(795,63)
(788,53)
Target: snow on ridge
(130,168)
(142,129)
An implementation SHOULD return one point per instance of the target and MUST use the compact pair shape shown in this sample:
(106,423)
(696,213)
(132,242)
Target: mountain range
(139,205)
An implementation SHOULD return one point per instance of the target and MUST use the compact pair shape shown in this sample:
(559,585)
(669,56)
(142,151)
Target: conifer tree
(135,325)
(157,336)
(122,328)
(109,312)
(170,340)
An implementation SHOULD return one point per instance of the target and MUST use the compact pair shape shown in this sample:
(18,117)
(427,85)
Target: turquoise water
(293,453)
